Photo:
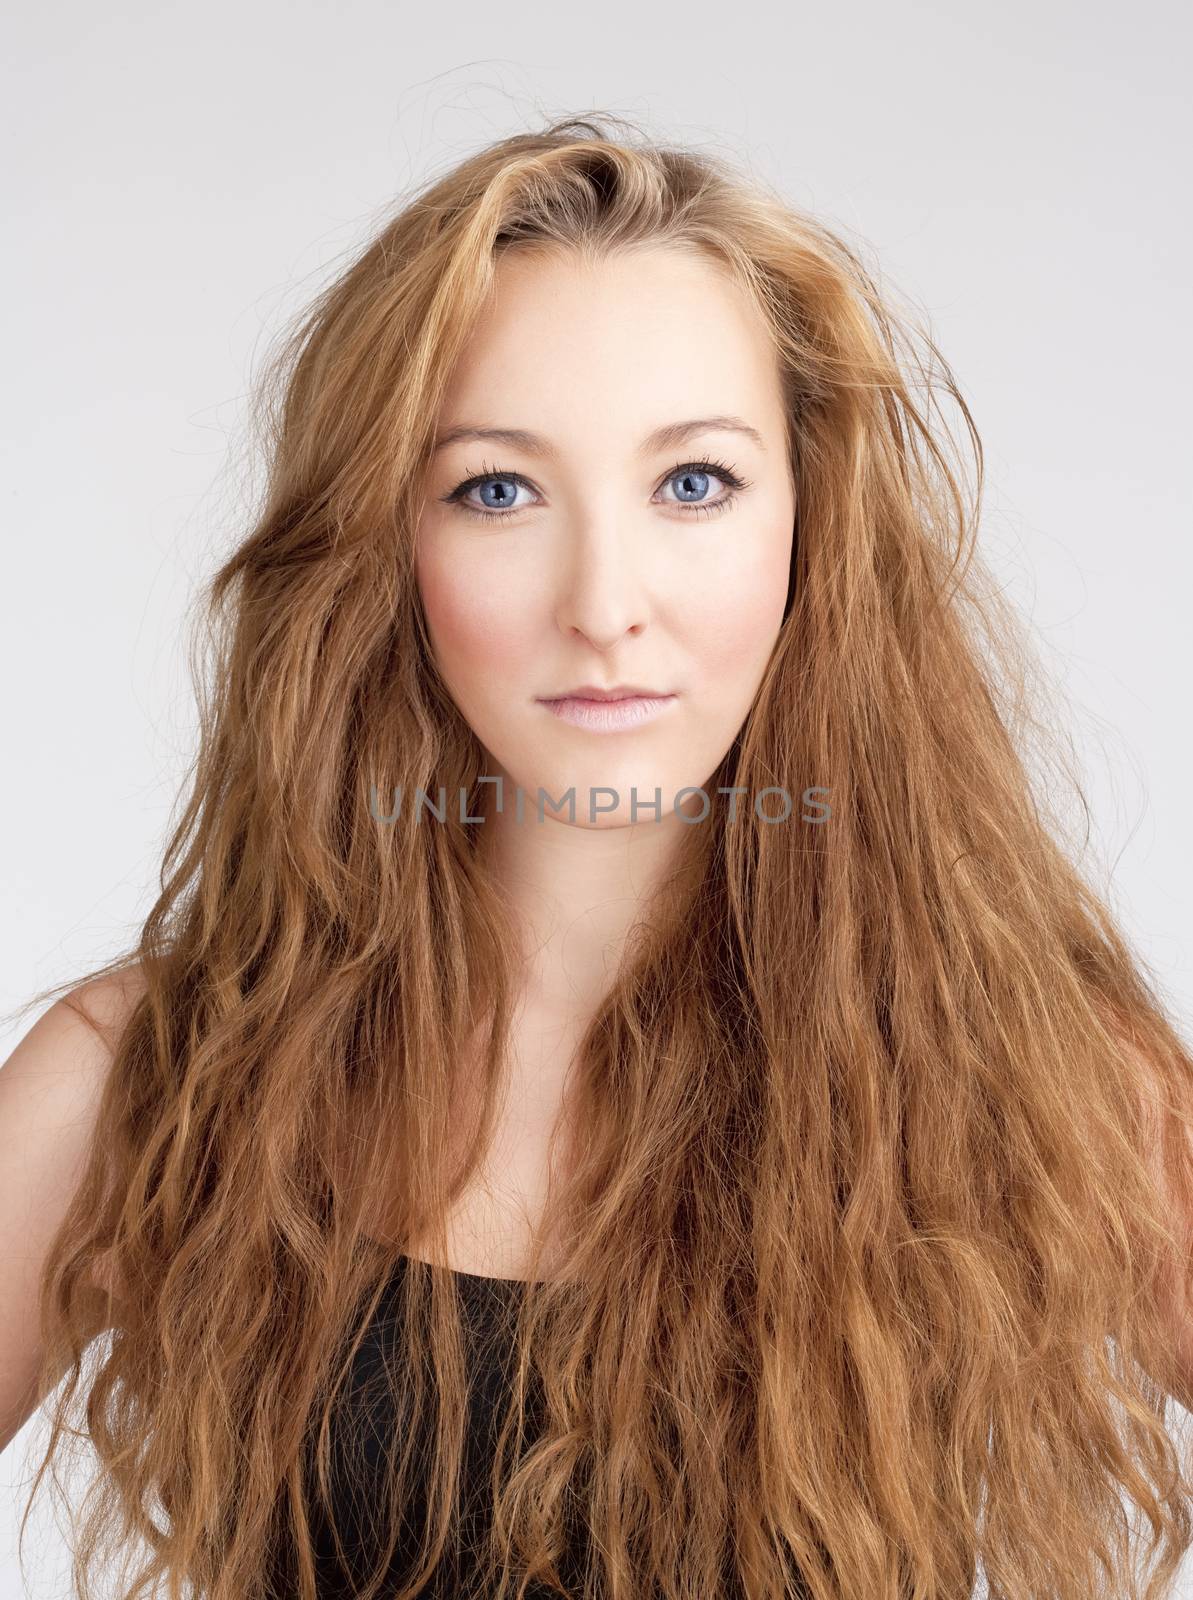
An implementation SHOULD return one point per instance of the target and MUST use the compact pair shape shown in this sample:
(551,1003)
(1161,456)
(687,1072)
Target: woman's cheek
(474,630)
(736,592)
(738,631)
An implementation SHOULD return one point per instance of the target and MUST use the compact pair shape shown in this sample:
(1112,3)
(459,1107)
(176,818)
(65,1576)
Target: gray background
(182,178)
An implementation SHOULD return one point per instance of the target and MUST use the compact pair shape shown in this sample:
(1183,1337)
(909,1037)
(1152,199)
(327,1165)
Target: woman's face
(593,548)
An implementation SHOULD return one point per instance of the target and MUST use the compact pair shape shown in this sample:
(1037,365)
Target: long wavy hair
(855,1227)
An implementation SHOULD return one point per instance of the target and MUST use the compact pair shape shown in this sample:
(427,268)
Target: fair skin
(604,573)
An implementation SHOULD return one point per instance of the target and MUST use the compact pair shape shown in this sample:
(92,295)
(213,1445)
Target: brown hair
(857,1214)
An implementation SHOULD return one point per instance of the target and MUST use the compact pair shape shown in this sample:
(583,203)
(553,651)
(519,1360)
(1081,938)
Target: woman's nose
(602,589)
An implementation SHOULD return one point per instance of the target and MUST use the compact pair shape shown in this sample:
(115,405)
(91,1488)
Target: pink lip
(608,716)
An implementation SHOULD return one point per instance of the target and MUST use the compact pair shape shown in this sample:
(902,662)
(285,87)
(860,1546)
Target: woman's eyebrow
(669,435)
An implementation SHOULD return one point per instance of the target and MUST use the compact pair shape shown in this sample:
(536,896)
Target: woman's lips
(608,716)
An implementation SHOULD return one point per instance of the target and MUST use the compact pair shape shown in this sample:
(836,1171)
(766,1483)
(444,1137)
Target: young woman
(624,1087)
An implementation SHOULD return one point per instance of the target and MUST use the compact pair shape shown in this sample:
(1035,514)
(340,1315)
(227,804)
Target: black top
(362,1424)
(359,1423)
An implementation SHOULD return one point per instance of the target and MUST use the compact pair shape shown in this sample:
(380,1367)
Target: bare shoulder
(76,1037)
(105,1004)
(50,1087)
(50,1090)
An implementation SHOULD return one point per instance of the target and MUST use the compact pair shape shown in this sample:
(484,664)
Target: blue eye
(695,474)
(510,483)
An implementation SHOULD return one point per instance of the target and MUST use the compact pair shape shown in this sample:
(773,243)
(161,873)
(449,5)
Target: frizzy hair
(854,1232)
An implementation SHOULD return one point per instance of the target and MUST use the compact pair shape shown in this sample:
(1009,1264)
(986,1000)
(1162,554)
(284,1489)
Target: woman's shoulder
(106,1003)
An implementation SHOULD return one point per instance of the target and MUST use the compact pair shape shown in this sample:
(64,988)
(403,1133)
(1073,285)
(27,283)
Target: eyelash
(711,508)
